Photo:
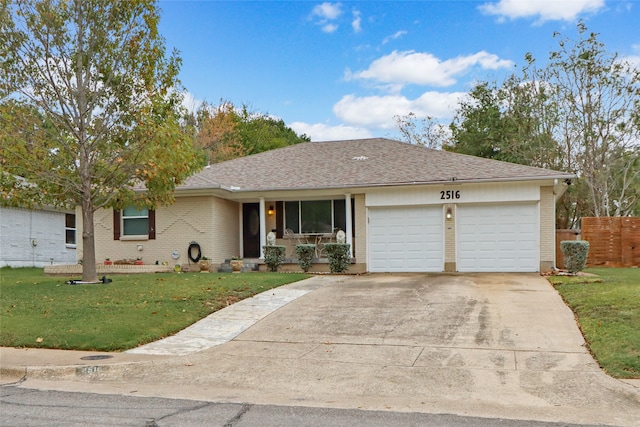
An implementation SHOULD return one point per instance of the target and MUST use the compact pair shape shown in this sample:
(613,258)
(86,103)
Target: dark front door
(251,230)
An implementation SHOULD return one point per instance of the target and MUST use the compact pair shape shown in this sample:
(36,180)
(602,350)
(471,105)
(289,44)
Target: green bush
(338,254)
(305,255)
(575,254)
(274,256)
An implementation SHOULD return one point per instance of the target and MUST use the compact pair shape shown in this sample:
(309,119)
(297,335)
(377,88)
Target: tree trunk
(89,271)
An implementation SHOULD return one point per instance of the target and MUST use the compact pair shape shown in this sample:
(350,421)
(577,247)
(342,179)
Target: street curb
(106,372)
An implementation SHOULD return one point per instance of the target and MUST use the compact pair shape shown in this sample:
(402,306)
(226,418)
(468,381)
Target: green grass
(44,312)
(608,310)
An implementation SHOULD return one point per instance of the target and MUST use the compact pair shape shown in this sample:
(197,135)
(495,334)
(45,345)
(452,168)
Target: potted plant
(205,264)
(236,264)
(107,261)
(139,261)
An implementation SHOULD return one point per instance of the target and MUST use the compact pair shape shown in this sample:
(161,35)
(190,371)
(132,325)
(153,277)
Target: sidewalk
(217,328)
(226,324)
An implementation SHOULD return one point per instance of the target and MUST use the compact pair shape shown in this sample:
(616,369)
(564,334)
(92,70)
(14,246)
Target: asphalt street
(35,408)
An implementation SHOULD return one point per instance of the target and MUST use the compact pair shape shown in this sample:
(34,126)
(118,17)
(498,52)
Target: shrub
(575,254)
(305,255)
(338,254)
(274,256)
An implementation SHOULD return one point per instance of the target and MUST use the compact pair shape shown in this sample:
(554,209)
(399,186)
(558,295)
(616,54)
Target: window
(292,216)
(70,229)
(138,223)
(315,216)
(135,222)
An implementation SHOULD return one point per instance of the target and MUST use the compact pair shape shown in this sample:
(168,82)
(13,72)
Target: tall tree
(227,132)
(427,131)
(479,128)
(217,132)
(599,102)
(92,109)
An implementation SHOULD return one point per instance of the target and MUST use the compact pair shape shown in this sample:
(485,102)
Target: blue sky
(339,70)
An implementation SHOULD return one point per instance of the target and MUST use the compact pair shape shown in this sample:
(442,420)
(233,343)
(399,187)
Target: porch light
(449,213)
(270,210)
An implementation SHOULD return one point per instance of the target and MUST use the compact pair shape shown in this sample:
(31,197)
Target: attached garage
(497,237)
(406,239)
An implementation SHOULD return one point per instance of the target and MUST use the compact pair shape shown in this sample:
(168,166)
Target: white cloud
(544,10)
(394,36)
(633,60)
(190,102)
(329,28)
(410,67)
(379,111)
(323,132)
(357,21)
(328,11)
(325,13)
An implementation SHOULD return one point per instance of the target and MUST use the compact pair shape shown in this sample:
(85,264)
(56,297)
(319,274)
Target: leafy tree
(479,128)
(512,122)
(429,133)
(261,132)
(227,132)
(530,118)
(217,132)
(598,97)
(91,109)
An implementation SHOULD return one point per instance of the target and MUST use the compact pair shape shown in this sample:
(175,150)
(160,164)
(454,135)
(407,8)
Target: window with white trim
(70,230)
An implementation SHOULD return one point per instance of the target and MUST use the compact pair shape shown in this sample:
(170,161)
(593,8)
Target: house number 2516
(449,194)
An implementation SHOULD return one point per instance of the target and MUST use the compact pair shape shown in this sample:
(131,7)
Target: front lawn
(608,309)
(42,311)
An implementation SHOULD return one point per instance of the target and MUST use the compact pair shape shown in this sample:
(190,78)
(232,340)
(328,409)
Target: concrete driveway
(493,345)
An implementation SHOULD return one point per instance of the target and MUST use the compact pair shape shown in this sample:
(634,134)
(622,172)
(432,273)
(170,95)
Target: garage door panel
(497,237)
(405,239)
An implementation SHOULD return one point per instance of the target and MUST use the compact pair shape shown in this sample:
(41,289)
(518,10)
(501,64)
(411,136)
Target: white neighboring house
(35,238)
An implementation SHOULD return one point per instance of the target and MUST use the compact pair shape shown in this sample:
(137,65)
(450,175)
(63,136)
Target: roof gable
(357,163)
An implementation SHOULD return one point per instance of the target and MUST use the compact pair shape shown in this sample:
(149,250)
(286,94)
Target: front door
(251,230)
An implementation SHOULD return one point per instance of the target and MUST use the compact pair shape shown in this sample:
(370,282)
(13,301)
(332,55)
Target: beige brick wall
(211,222)
(450,239)
(547,229)
(225,227)
(360,241)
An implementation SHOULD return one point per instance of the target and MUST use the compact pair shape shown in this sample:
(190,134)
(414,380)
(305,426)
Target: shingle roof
(356,163)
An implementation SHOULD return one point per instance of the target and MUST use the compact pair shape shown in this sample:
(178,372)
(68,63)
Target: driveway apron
(494,345)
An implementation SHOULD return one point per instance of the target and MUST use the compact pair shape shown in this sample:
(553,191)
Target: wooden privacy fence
(613,241)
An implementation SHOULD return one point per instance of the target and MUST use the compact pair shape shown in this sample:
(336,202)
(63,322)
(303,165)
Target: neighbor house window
(134,222)
(315,216)
(70,229)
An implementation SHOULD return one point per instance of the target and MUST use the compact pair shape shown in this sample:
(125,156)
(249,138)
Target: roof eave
(235,189)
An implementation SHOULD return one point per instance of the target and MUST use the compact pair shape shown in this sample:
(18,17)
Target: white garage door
(500,237)
(405,239)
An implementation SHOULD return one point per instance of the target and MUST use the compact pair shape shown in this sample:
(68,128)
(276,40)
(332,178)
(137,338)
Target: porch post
(349,230)
(263,227)
(241,228)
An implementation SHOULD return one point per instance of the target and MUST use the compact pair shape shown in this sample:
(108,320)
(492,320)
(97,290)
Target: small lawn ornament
(271,238)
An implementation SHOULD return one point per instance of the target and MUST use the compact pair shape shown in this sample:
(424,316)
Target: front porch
(296,220)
